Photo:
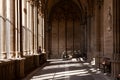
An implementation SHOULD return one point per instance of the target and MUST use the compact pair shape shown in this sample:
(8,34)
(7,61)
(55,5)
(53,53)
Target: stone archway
(66,33)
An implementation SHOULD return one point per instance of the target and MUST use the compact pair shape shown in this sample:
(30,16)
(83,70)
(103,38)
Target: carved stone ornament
(109,19)
(34,2)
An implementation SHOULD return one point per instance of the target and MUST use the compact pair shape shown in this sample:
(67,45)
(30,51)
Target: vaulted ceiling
(82,4)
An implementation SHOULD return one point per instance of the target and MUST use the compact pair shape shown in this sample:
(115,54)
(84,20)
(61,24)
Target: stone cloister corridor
(56,34)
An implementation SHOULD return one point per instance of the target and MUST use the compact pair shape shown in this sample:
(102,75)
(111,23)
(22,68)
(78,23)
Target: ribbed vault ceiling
(82,4)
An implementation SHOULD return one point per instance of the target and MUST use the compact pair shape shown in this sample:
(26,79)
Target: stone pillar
(36,36)
(28,25)
(35,29)
(1,24)
(2,27)
(24,25)
(17,43)
(43,36)
(20,30)
(40,31)
(19,63)
(31,29)
(10,27)
(97,28)
(115,63)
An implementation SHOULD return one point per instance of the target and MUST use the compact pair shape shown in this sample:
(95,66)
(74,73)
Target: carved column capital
(100,3)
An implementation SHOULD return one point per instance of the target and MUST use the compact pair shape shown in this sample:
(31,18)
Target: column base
(36,57)
(115,70)
(19,65)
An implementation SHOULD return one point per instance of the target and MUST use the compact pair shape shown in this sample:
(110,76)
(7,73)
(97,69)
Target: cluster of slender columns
(116,40)
(2,29)
(20,33)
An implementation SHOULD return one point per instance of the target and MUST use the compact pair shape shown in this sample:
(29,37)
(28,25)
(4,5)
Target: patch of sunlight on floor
(70,73)
(50,67)
(51,60)
(59,61)
(67,73)
(63,66)
(74,64)
(86,64)
(93,70)
(49,76)
(74,71)
(62,77)
(45,76)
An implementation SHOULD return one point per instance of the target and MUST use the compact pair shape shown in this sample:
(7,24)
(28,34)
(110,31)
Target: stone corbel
(100,3)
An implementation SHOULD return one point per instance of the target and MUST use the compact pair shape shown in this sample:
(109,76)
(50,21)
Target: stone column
(19,62)
(2,27)
(20,29)
(40,31)
(31,29)
(16,24)
(28,25)
(24,25)
(10,27)
(115,63)
(1,21)
(43,36)
(1,24)
(97,28)
(35,29)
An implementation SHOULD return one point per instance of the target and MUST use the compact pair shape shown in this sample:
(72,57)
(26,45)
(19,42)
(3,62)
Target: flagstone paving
(57,69)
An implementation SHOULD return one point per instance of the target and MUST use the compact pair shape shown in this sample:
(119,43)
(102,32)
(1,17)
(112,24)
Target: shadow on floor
(57,69)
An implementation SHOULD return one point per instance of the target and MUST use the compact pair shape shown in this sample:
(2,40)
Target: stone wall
(108,28)
(18,68)
(62,40)
(100,31)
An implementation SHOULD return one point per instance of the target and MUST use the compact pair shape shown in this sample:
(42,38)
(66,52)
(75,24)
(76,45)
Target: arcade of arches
(89,26)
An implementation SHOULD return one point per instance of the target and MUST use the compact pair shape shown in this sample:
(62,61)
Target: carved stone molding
(109,17)
(39,4)
(100,3)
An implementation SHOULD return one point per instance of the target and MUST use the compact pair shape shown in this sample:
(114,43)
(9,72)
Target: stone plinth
(7,69)
(42,58)
(115,68)
(19,66)
(36,60)
(29,64)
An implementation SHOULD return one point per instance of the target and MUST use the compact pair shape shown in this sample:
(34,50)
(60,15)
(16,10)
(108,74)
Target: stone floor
(57,69)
